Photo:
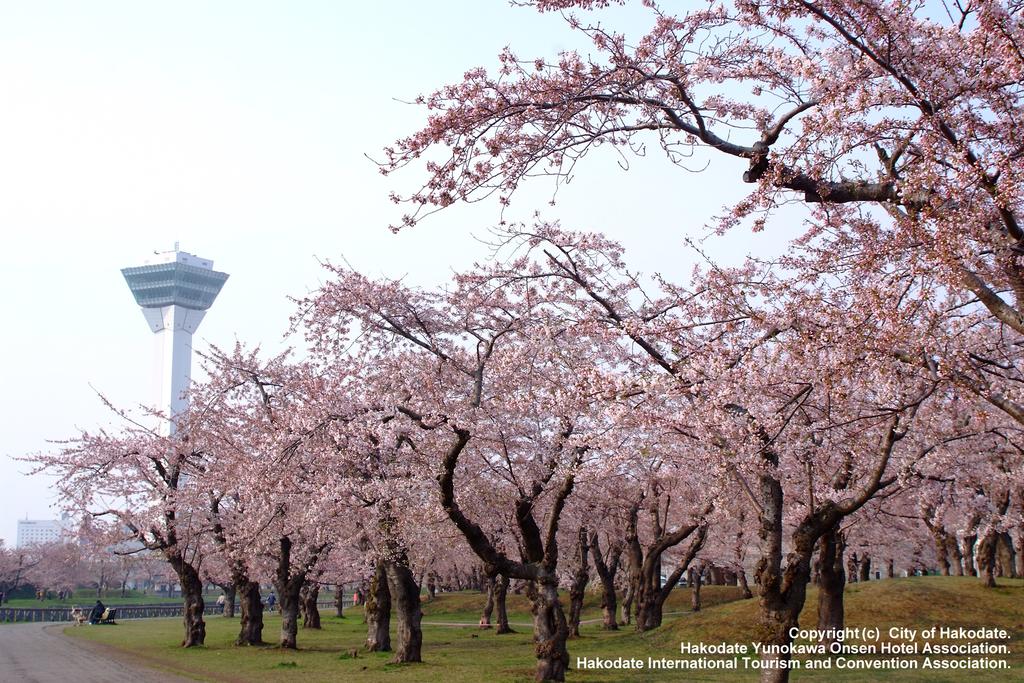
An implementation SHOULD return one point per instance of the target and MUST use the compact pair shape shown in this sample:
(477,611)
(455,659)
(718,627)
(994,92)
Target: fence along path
(40,614)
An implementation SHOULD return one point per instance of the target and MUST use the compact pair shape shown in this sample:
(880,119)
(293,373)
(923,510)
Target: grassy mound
(457,654)
(919,603)
(465,606)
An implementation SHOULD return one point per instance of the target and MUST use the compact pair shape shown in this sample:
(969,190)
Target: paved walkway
(41,653)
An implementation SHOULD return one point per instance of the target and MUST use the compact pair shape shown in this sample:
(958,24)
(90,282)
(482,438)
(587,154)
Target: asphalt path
(41,653)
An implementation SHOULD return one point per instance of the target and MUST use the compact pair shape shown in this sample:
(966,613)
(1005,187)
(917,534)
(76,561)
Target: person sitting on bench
(97,613)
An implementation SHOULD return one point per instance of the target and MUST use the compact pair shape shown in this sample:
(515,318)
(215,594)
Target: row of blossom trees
(898,127)
(552,417)
(552,411)
(79,560)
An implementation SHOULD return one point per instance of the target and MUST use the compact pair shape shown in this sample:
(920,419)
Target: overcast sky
(242,130)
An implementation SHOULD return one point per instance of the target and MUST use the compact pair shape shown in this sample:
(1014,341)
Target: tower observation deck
(174,291)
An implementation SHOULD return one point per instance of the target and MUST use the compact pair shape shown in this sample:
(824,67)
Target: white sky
(240,129)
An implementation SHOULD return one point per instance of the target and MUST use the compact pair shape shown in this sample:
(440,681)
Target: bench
(108,616)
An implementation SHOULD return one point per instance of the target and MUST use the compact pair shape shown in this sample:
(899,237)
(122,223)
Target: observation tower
(174,290)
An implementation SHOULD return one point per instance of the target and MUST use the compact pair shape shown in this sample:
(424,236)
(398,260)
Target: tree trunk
(1020,551)
(377,609)
(695,583)
(741,577)
(575,608)
(550,630)
(578,587)
(339,601)
(968,553)
(865,568)
(431,585)
(782,588)
(485,616)
(103,580)
(941,551)
(251,605)
(627,605)
(780,612)
(853,568)
(648,616)
(606,570)
(940,539)
(288,601)
(406,594)
(500,595)
(651,594)
(645,563)
(1007,555)
(289,581)
(192,596)
(987,558)
(608,608)
(831,583)
(956,559)
(476,579)
(230,593)
(308,596)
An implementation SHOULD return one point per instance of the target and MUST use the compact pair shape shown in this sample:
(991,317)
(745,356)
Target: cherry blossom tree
(898,126)
(606,565)
(15,564)
(966,500)
(801,417)
(481,375)
(140,485)
(392,512)
(55,565)
(269,491)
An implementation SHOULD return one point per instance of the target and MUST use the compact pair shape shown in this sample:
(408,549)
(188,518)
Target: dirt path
(41,653)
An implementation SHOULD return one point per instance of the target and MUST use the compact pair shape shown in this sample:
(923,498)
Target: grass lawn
(88,597)
(457,654)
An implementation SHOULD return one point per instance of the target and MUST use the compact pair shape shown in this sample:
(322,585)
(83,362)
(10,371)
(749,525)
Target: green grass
(88,597)
(455,655)
(465,606)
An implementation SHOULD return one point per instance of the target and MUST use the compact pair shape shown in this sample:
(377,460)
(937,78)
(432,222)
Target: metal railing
(56,614)
(19,614)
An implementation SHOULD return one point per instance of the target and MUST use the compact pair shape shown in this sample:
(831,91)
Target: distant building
(31,531)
